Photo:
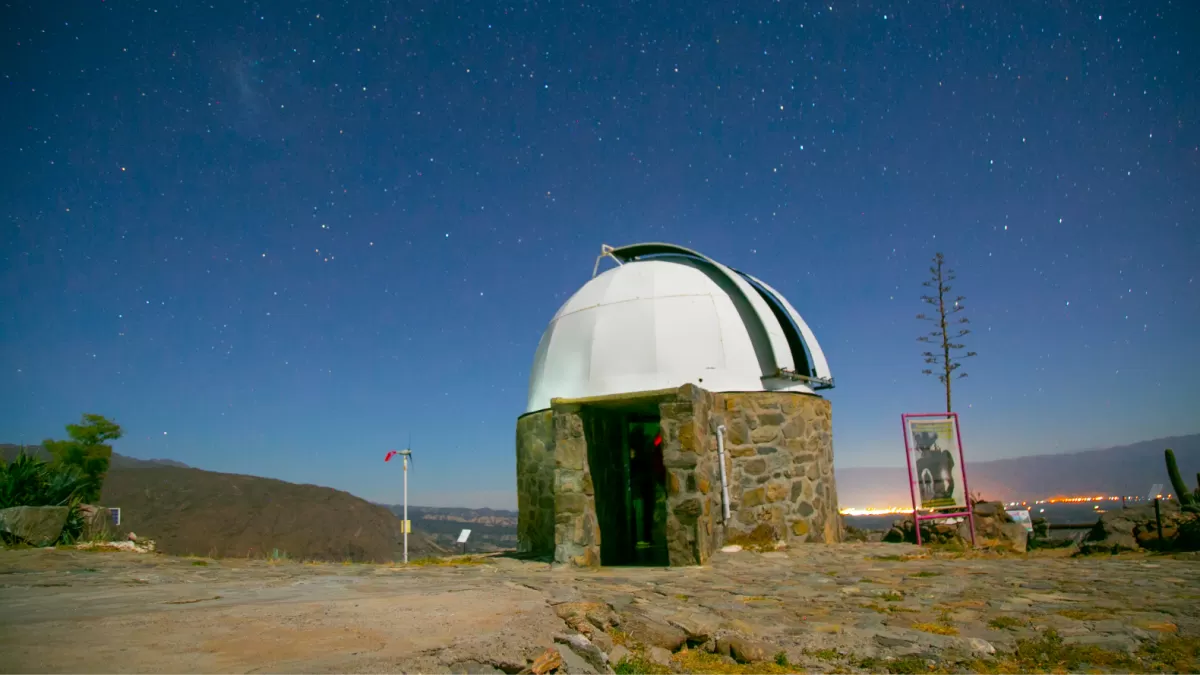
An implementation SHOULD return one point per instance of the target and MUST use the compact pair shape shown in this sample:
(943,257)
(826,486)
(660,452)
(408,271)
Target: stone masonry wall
(576,529)
(535,483)
(690,479)
(779,459)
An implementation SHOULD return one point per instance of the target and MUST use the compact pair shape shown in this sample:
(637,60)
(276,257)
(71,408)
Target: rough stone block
(570,502)
(772,418)
(763,434)
(571,454)
(794,427)
(688,511)
(679,460)
(737,432)
(34,525)
(754,497)
(741,450)
(755,467)
(687,437)
(777,491)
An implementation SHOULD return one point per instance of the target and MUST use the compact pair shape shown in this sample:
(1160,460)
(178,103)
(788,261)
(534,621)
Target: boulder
(994,528)
(698,627)
(34,525)
(97,523)
(652,632)
(1133,528)
(618,654)
(586,650)
(660,656)
(1015,537)
(745,650)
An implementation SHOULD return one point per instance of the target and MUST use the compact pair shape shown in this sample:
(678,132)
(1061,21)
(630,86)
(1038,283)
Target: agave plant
(28,481)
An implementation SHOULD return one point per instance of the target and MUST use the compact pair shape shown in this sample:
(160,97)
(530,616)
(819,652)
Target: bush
(29,481)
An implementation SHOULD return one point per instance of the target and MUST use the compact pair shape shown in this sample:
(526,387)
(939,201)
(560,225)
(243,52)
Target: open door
(629,484)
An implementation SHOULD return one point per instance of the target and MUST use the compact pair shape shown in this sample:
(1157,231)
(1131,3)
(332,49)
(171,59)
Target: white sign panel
(935,462)
(462,537)
(1022,516)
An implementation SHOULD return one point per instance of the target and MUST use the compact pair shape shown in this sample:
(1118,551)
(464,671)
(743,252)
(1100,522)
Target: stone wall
(779,459)
(576,530)
(779,463)
(535,483)
(690,463)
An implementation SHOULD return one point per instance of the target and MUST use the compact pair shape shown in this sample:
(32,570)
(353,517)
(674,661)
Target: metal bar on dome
(824,382)
(606,251)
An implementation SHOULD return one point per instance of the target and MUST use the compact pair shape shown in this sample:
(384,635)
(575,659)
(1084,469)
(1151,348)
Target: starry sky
(277,238)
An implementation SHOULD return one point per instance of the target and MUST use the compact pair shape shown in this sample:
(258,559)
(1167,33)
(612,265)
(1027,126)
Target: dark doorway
(629,483)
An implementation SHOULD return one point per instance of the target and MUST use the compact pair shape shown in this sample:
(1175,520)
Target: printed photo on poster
(936,460)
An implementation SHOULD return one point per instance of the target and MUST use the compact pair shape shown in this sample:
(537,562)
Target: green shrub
(29,481)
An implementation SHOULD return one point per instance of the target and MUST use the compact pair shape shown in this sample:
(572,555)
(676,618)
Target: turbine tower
(406,455)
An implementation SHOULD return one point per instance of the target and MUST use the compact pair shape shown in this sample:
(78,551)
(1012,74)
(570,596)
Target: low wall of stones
(535,483)
(779,459)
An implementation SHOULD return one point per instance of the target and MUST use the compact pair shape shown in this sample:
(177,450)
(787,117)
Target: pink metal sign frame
(912,485)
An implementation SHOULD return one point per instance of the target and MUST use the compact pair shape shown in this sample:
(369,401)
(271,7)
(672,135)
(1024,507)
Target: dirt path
(93,612)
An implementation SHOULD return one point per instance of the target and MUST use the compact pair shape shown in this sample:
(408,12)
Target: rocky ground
(847,608)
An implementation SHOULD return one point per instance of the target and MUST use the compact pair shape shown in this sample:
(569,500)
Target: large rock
(745,650)
(1133,528)
(97,523)
(652,632)
(994,528)
(34,525)
(586,650)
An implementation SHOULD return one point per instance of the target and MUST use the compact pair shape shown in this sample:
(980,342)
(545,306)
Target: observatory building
(673,409)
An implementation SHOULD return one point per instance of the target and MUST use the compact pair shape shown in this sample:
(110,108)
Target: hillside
(191,511)
(491,529)
(1126,469)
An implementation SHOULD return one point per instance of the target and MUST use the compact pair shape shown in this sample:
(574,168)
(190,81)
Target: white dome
(667,316)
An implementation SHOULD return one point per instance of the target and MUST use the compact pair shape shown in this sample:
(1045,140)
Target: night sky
(276,238)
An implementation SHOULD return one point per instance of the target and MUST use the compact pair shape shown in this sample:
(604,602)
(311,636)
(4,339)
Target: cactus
(1186,499)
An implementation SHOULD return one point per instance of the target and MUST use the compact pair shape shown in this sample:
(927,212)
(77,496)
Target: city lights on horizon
(891,510)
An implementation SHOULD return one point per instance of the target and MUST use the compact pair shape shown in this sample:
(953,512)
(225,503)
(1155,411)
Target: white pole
(406,509)
(724,482)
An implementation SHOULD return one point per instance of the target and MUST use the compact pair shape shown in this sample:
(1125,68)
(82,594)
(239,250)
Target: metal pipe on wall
(724,481)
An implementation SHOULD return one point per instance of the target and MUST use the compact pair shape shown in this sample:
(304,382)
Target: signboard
(462,537)
(935,462)
(115,514)
(1155,491)
(937,477)
(1022,516)
(406,527)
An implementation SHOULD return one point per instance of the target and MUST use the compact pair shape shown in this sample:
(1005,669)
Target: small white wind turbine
(406,455)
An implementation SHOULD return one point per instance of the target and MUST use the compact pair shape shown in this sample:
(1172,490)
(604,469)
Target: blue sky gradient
(276,239)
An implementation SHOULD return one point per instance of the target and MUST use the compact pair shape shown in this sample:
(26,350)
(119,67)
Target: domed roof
(665,317)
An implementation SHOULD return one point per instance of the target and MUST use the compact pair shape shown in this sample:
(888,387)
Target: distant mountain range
(491,529)
(191,511)
(1124,470)
(9,452)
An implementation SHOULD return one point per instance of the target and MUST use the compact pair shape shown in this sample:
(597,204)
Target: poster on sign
(935,462)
